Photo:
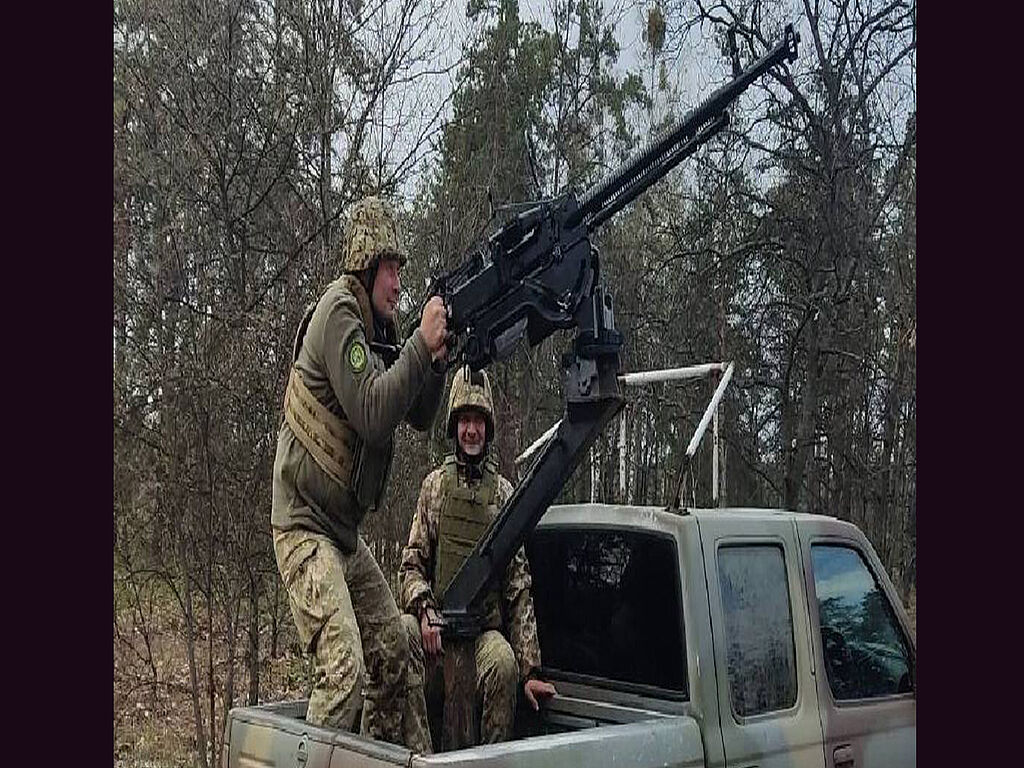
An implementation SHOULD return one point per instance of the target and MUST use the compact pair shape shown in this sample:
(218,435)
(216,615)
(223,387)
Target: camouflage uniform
(334,453)
(502,665)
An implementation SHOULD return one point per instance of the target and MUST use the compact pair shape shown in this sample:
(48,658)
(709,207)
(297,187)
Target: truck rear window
(608,605)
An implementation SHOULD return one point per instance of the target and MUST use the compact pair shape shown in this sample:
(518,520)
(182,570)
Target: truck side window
(608,606)
(865,653)
(758,628)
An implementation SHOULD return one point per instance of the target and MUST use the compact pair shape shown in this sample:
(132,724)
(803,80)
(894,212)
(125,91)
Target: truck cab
(780,633)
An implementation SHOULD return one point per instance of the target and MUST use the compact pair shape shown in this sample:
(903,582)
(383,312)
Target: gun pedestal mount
(592,398)
(537,274)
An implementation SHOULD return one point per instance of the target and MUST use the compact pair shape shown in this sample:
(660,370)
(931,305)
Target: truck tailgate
(665,741)
(272,736)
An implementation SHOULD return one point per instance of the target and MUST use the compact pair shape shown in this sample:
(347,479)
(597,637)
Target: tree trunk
(193,670)
(803,434)
(253,651)
(234,616)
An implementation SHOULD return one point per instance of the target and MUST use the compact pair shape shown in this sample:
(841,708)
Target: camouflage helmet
(372,232)
(470,390)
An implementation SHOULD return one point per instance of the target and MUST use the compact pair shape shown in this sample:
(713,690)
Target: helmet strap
(465,458)
(473,459)
(368,277)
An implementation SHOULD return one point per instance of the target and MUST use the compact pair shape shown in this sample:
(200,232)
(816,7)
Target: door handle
(842,757)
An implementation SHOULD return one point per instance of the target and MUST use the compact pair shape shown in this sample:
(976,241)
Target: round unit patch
(357,357)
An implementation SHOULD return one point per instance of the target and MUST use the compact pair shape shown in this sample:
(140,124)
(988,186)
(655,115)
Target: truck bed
(573,731)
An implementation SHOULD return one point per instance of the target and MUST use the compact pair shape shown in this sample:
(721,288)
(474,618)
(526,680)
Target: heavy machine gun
(539,273)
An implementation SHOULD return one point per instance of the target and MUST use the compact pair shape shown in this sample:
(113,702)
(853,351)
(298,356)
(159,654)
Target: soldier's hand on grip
(430,629)
(434,325)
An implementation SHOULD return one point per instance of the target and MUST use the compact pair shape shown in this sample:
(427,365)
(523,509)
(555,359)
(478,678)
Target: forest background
(244,128)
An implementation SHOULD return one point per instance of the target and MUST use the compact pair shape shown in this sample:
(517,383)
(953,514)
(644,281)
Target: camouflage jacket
(345,374)
(418,566)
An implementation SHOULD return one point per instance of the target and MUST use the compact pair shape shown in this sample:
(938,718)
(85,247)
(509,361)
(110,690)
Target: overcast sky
(688,72)
(694,64)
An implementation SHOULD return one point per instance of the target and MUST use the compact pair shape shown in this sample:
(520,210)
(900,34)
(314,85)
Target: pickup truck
(718,637)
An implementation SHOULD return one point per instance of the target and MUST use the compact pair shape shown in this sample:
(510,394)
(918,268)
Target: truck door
(767,697)
(863,648)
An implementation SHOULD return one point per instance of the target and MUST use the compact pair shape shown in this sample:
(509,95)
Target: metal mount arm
(592,400)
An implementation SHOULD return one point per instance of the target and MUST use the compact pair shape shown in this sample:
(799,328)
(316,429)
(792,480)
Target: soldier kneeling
(457,503)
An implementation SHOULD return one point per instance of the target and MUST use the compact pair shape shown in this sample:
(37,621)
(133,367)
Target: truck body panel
(757,679)
(672,741)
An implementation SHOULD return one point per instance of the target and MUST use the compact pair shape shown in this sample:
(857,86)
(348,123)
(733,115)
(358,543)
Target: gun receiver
(537,274)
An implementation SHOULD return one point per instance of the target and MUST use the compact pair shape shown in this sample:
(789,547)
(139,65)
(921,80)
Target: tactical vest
(332,442)
(466,513)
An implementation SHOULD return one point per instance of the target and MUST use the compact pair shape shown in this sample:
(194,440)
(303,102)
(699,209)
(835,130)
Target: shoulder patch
(357,357)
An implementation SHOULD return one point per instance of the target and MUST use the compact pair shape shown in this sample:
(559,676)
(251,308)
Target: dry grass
(154,725)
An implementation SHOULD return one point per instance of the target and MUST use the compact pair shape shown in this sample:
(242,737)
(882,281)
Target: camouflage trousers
(347,618)
(496,678)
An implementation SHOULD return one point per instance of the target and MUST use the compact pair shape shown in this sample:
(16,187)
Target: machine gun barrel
(676,142)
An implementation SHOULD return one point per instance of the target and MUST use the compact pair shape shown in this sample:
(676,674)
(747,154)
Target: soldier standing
(456,505)
(349,387)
